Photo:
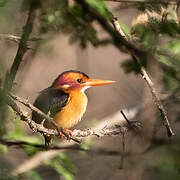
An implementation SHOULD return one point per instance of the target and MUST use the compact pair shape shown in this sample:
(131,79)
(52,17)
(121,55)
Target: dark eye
(80,81)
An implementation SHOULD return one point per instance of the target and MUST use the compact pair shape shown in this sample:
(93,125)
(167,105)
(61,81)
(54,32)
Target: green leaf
(170,79)
(125,29)
(33,175)
(100,6)
(3,3)
(60,169)
(51,18)
(5,174)
(170,28)
(67,163)
(3,149)
(173,46)
(18,134)
(172,61)
(166,162)
(164,60)
(144,34)
(170,83)
(130,66)
(84,147)
(30,150)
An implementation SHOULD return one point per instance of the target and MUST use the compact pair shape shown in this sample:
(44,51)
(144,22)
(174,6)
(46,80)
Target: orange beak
(97,82)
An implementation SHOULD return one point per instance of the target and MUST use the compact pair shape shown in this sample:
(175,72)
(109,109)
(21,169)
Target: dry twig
(76,133)
(147,79)
(40,157)
(10,37)
(76,147)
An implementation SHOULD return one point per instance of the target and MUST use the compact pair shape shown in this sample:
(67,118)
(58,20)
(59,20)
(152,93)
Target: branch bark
(117,118)
(10,100)
(22,48)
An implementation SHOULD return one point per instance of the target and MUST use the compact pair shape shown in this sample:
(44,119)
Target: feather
(50,101)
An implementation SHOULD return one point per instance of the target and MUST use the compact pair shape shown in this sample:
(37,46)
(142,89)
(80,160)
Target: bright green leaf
(51,18)
(164,60)
(125,29)
(174,46)
(67,163)
(100,6)
(60,169)
(33,175)
(3,149)
(84,147)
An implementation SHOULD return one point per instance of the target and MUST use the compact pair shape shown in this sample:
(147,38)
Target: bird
(65,100)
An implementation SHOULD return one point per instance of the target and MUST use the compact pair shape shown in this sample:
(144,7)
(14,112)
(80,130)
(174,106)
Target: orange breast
(72,113)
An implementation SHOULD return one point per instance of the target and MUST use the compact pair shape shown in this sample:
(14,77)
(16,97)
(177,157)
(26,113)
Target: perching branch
(10,100)
(40,157)
(34,126)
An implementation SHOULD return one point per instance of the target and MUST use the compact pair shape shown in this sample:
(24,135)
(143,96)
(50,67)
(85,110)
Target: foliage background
(67,37)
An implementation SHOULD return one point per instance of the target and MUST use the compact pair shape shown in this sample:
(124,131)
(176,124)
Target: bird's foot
(69,132)
(47,141)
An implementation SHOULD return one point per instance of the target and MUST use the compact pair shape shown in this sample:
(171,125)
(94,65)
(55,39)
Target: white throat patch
(84,88)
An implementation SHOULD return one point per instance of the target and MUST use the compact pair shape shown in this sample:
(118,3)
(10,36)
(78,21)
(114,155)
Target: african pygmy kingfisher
(65,100)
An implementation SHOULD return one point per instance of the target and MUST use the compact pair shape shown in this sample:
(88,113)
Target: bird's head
(76,80)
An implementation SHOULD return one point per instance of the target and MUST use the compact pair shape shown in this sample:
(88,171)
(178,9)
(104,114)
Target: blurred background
(66,36)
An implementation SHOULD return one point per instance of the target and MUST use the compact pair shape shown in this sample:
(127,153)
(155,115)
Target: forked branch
(147,79)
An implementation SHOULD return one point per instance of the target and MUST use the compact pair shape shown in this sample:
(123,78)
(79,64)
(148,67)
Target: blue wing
(49,101)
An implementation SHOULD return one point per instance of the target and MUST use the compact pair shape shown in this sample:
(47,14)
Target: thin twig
(76,147)
(10,37)
(17,39)
(123,152)
(127,120)
(157,102)
(117,27)
(149,82)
